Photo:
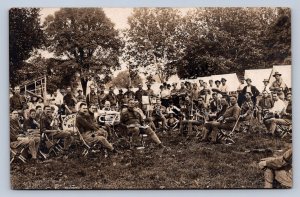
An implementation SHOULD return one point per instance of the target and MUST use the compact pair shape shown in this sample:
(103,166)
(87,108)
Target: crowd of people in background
(209,105)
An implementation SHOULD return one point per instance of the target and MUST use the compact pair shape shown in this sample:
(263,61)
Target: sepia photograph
(150,98)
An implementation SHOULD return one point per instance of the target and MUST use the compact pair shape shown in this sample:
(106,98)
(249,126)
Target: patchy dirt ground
(188,164)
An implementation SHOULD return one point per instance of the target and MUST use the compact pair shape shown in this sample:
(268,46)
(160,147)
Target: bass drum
(69,122)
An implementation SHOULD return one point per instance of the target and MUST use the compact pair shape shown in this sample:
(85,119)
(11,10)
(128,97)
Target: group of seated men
(217,108)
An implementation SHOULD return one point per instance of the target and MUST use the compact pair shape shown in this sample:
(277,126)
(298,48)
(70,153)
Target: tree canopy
(222,40)
(152,45)
(25,35)
(86,36)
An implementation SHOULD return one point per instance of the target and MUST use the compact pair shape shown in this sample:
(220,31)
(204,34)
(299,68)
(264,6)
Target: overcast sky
(117,15)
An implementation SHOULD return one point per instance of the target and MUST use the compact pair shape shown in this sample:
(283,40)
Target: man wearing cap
(224,87)
(226,121)
(17,101)
(101,95)
(92,98)
(195,92)
(165,95)
(266,86)
(133,121)
(250,88)
(149,91)
(80,97)
(264,104)
(139,95)
(70,101)
(278,86)
(215,104)
(205,93)
(129,92)
(111,97)
(247,110)
(158,114)
(120,98)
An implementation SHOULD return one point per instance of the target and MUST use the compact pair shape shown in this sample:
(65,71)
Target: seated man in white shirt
(278,109)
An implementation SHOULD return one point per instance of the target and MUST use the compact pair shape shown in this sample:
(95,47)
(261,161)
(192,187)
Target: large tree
(25,35)
(85,36)
(277,38)
(224,40)
(152,44)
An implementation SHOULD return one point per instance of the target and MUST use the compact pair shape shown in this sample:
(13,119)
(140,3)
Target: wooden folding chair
(17,153)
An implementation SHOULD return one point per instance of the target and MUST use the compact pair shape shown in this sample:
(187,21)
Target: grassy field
(187,164)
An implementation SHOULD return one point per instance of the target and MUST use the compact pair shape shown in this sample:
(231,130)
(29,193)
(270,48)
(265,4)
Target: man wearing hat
(92,98)
(165,95)
(149,91)
(278,86)
(80,97)
(250,88)
(266,86)
(224,87)
(120,98)
(129,92)
(111,97)
(139,95)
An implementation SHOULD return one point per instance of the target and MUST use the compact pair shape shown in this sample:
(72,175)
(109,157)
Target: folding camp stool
(284,130)
(17,153)
(54,145)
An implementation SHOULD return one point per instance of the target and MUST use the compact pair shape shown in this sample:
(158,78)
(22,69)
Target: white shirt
(165,93)
(279,107)
(224,88)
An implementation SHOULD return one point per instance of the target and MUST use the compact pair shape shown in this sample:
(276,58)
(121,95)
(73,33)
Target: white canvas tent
(232,80)
(286,74)
(257,76)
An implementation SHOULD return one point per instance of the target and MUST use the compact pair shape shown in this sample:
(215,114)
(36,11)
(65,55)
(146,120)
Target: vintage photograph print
(150,98)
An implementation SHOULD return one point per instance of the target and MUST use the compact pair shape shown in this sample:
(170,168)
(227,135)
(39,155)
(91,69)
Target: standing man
(224,87)
(139,94)
(80,97)
(250,88)
(266,86)
(70,101)
(111,97)
(120,98)
(92,98)
(17,101)
(278,86)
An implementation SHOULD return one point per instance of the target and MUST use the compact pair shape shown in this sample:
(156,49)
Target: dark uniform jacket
(92,99)
(265,103)
(15,129)
(85,123)
(139,94)
(17,102)
(69,100)
(111,97)
(131,117)
(232,113)
(254,91)
(29,124)
(45,123)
